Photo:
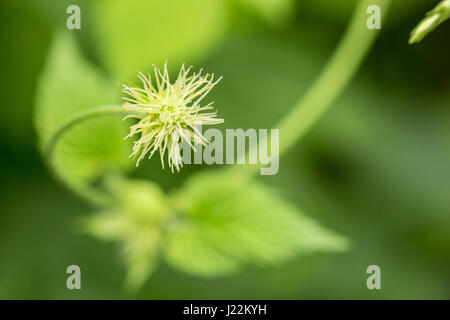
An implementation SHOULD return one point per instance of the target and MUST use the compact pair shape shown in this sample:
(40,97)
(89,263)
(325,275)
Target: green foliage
(340,10)
(149,32)
(227,222)
(216,224)
(67,86)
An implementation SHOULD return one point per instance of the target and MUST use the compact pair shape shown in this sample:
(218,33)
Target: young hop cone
(433,18)
(168,113)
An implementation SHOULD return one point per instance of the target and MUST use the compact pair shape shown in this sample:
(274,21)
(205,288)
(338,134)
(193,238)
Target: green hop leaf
(227,223)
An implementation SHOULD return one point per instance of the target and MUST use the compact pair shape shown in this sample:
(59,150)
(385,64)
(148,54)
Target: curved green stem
(338,72)
(84,190)
(73,120)
(336,75)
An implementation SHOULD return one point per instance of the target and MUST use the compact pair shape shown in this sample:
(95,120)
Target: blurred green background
(376,168)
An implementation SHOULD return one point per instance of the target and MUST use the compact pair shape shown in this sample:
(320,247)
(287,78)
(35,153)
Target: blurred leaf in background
(149,32)
(274,12)
(69,85)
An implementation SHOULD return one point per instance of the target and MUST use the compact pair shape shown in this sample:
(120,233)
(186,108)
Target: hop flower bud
(433,18)
(168,113)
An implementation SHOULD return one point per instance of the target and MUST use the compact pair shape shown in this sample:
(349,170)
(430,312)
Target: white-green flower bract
(433,18)
(168,113)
